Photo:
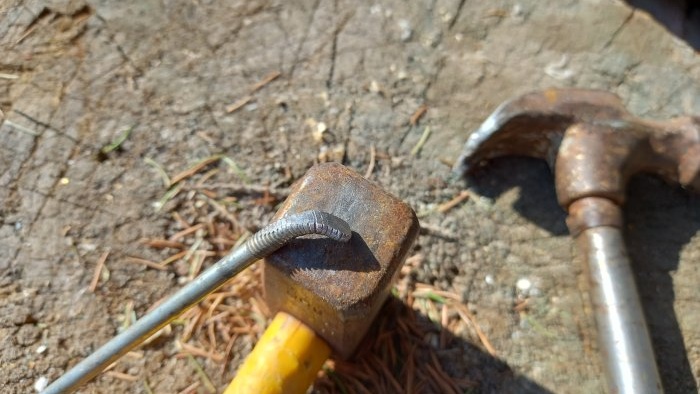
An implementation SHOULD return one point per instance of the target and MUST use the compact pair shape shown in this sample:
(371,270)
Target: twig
(372,160)
(8,76)
(387,374)
(463,195)
(418,114)
(122,376)
(227,352)
(521,305)
(191,388)
(163,175)
(223,211)
(235,168)
(21,128)
(194,169)
(117,142)
(196,264)
(442,208)
(467,316)
(195,351)
(238,104)
(135,354)
(27,32)
(147,263)
(268,78)
(421,142)
(207,175)
(175,257)
(202,375)
(186,232)
(169,195)
(444,320)
(98,271)
(239,188)
(446,383)
(162,243)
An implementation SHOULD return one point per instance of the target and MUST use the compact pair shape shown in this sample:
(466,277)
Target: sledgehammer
(593,144)
(326,294)
(327,289)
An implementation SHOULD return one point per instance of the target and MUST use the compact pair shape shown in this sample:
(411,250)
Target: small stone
(517,10)
(558,69)
(406,31)
(41,384)
(489,279)
(41,349)
(523,284)
(88,247)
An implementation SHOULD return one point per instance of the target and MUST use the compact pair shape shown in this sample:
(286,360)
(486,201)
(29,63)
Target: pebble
(489,279)
(523,284)
(406,31)
(41,349)
(41,384)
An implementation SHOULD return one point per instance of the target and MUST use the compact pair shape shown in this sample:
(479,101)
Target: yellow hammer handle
(286,360)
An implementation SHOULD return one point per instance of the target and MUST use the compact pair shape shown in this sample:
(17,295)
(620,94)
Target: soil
(178,80)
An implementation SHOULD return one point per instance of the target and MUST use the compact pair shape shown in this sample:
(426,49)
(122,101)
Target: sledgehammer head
(336,288)
(591,141)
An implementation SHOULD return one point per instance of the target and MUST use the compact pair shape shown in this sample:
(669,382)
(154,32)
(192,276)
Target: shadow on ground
(397,356)
(659,219)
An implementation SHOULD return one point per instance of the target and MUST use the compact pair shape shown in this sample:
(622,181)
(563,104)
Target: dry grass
(400,355)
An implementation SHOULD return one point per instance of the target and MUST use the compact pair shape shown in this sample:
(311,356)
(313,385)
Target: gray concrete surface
(76,74)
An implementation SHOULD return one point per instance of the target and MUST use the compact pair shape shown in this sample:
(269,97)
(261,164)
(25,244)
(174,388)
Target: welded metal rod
(264,242)
(622,331)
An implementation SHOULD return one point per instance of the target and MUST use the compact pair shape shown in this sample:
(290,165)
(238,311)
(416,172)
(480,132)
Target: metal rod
(264,242)
(622,331)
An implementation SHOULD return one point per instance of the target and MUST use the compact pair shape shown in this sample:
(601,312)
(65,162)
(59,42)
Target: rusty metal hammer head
(337,289)
(590,140)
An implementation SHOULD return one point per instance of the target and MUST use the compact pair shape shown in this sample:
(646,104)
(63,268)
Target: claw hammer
(326,294)
(594,145)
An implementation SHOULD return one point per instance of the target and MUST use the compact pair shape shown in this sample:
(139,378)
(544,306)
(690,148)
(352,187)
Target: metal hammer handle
(623,335)
(622,330)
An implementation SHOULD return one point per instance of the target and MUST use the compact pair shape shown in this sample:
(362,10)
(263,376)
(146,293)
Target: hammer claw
(533,124)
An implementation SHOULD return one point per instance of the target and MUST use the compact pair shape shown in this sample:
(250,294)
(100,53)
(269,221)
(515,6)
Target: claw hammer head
(336,288)
(590,140)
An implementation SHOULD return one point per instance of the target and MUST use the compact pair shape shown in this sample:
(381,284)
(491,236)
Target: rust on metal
(337,289)
(593,144)
(593,212)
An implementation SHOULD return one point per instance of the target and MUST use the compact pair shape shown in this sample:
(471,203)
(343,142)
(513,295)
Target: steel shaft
(262,243)
(622,330)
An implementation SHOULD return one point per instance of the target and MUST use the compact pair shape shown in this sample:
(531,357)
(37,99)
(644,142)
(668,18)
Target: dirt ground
(178,80)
